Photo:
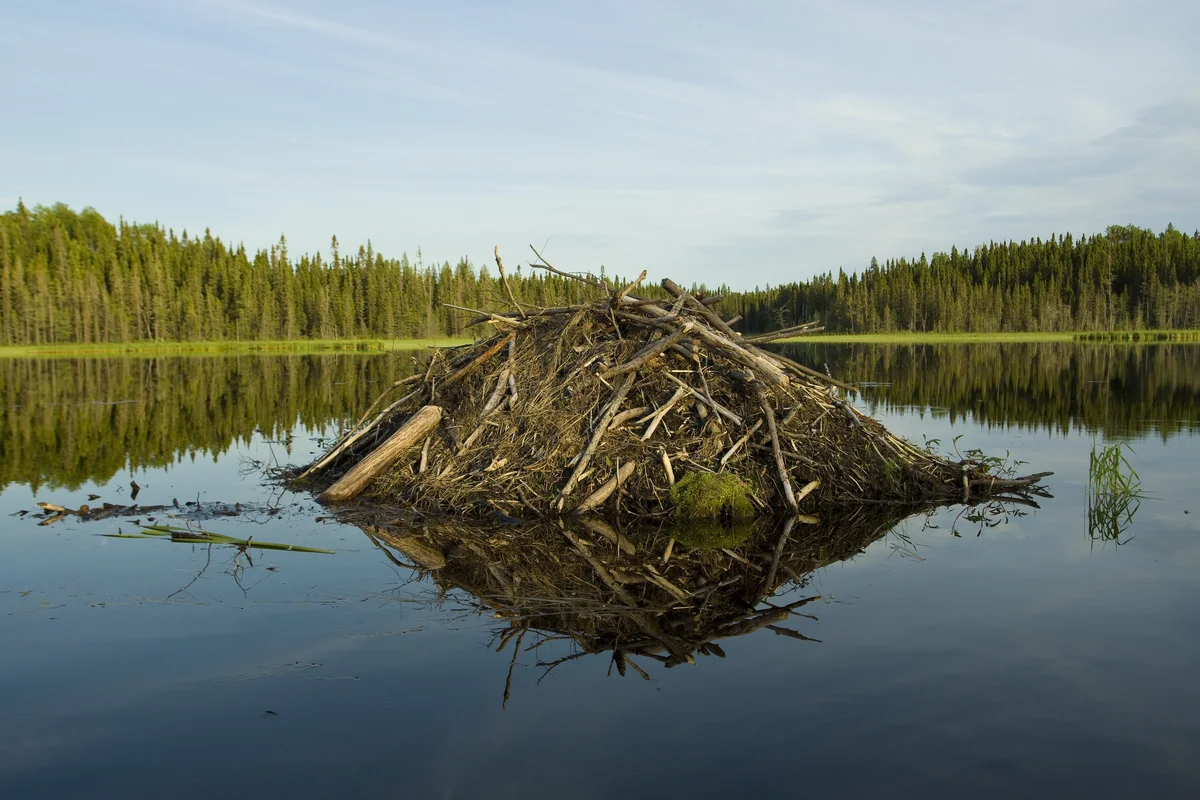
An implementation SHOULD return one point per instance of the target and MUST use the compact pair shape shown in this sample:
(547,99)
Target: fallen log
(408,436)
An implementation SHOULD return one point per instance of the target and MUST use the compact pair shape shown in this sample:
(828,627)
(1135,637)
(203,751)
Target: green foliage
(1114,493)
(74,277)
(1126,278)
(708,496)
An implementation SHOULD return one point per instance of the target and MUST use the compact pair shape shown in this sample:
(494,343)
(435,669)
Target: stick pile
(601,407)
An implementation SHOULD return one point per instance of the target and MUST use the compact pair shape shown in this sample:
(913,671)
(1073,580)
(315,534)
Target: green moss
(705,535)
(705,495)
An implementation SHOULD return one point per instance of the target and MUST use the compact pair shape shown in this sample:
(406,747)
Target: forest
(69,277)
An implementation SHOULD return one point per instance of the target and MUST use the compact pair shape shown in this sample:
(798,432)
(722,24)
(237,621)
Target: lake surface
(1021,654)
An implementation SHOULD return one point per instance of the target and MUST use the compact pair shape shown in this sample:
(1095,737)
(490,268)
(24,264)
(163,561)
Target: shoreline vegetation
(312,346)
(231,348)
(1013,337)
(72,279)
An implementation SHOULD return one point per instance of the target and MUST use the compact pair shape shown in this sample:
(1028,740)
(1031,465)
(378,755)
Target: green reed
(1114,492)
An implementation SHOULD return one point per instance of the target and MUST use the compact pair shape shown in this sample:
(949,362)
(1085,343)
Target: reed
(1114,492)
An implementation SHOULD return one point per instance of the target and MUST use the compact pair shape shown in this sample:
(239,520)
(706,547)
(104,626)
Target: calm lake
(1023,652)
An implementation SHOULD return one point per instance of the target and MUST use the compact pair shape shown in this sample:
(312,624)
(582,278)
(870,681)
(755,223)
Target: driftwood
(412,433)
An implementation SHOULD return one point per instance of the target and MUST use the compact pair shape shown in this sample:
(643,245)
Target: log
(786,333)
(409,435)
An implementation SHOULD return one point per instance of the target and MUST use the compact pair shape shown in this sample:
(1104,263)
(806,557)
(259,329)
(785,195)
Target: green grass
(1012,337)
(295,346)
(1114,492)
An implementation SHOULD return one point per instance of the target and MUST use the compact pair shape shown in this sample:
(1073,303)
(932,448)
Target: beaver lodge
(651,407)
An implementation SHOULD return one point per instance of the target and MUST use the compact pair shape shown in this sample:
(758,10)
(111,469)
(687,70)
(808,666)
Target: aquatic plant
(1114,492)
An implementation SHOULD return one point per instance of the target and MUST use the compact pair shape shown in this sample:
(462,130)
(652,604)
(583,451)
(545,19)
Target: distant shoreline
(311,346)
(284,347)
(1083,337)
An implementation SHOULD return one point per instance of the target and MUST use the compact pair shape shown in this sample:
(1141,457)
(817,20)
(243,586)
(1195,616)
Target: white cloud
(754,144)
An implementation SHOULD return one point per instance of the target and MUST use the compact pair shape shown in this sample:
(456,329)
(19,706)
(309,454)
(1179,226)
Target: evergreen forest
(70,277)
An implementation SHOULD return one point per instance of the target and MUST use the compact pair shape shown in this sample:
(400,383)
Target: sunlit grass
(1005,337)
(295,346)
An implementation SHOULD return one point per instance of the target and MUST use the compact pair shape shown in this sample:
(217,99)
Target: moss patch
(705,495)
(706,535)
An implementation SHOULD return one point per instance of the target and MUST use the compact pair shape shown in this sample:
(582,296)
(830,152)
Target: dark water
(1026,658)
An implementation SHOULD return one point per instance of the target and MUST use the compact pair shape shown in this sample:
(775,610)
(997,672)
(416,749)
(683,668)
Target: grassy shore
(295,346)
(1132,337)
(303,346)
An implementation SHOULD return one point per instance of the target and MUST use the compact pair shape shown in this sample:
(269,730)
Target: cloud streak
(754,144)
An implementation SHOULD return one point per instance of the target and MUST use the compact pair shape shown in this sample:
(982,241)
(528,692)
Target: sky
(747,143)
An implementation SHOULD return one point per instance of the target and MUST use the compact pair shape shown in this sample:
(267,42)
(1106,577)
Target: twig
(504,278)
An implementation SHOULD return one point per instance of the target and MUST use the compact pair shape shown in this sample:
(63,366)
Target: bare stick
(478,361)
(503,277)
(597,498)
(808,489)
(605,418)
(628,288)
(424,455)
(666,459)
(812,373)
(759,363)
(494,401)
(991,484)
(662,412)
(736,445)
(769,415)
(714,405)
(648,352)
(800,330)
(627,415)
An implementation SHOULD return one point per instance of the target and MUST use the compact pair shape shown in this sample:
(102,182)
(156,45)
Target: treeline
(1127,278)
(68,277)
(74,277)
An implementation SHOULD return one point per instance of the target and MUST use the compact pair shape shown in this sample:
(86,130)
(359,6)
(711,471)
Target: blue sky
(751,142)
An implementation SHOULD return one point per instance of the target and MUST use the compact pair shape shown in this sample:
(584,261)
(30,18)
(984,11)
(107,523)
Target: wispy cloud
(756,143)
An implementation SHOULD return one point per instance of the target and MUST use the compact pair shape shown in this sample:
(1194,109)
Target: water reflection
(1111,388)
(583,588)
(64,422)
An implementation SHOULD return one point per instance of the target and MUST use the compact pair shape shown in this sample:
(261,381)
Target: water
(955,659)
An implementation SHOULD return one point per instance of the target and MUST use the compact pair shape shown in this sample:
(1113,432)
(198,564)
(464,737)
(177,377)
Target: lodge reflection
(578,589)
